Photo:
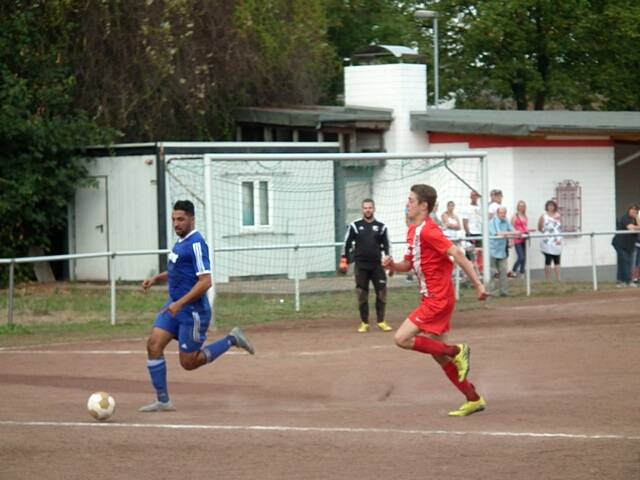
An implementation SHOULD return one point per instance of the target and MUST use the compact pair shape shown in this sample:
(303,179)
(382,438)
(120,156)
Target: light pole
(420,15)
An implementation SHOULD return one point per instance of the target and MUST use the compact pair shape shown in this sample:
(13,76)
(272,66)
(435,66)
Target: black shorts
(548,258)
(366,273)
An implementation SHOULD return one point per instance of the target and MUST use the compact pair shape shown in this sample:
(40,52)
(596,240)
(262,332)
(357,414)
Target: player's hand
(147,283)
(387,263)
(481,293)
(344,265)
(174,308)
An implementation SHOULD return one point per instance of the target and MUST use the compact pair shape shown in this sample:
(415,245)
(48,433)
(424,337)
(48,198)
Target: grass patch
(81,311)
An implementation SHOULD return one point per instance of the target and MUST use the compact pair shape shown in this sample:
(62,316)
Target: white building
(590,159)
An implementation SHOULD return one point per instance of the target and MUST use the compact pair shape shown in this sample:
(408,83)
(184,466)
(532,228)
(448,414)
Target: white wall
(537,171)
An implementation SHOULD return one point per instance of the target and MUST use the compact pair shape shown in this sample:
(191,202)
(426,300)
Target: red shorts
(433,316)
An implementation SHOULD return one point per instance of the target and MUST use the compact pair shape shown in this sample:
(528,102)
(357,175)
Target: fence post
(296,281)
(112,286)
(594,269)
(10,302)
(527,267)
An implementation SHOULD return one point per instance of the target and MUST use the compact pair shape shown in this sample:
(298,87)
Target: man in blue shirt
(186,314)
(498,248)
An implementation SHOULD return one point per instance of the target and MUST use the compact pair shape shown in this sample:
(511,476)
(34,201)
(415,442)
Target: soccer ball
(101,406)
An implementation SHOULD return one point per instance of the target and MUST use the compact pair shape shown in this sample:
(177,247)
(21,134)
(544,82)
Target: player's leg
(474,402)
(379,279)
(164,330)
(427,319)
(547,267)
(502,272)
(192,335)
(556,266)
(362,276)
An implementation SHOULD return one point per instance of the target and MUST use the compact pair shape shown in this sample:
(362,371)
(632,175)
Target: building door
(91,232)
(353,184)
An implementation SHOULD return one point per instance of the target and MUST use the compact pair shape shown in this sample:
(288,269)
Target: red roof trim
(495,141)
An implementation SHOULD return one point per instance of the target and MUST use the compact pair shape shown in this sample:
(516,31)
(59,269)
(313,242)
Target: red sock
(433,347)
(466,387)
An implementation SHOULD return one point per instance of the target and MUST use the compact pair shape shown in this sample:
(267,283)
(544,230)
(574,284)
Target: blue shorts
(189,326)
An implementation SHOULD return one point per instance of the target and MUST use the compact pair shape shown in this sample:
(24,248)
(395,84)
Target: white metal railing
(11,262)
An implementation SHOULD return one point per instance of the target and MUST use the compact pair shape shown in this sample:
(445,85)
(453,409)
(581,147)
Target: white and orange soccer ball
(101,406)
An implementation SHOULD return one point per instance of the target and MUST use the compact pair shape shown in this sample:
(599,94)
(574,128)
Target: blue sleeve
(200,259)
(492,228)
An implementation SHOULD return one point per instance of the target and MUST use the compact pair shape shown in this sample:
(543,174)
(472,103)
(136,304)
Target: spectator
(434,216)
(636,263)
(496,202)
(625,245)
(551,246)
(499,226)
(520,224)
(472,224)
(450,222)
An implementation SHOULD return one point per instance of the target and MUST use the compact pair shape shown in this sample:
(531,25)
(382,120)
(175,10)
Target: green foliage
(540,53)
(40,130)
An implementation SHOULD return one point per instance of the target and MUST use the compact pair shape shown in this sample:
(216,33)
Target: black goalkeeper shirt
(371,239)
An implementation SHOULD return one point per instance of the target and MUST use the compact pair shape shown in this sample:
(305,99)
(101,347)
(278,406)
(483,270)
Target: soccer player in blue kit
(187,313)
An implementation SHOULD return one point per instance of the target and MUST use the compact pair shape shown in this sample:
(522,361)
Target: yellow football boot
(363,328)
(467,408)
(384,326)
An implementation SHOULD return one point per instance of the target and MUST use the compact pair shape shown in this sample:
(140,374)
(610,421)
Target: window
(569,198)
(255,203)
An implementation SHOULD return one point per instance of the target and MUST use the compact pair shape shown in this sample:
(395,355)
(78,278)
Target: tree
(41,133)
(177,69)
(355,24)
(540,53)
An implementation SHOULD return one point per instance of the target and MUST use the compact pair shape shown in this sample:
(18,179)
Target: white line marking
(278,428)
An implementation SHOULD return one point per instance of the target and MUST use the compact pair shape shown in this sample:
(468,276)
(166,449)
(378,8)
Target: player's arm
(161,277)
(389,264)
(198,290)
(349,237)
(386,245)
(467,267)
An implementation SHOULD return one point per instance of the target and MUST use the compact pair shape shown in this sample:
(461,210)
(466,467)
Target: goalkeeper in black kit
(371,240)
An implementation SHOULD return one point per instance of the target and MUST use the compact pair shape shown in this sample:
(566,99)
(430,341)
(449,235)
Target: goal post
(282,216)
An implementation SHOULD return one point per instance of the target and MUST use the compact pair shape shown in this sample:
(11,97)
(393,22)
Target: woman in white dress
(551,247)
(451,223)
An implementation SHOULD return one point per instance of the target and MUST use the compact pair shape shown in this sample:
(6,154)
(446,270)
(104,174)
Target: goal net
(277,222)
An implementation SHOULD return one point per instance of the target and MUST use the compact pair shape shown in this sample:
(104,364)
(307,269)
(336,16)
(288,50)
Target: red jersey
(426,251)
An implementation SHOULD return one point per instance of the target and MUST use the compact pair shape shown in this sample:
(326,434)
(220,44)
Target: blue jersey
(188,259)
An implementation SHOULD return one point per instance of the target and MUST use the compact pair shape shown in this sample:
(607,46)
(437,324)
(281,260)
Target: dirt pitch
(320,401)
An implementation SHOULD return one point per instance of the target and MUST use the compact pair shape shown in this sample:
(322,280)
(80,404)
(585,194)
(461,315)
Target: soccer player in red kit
(429,255)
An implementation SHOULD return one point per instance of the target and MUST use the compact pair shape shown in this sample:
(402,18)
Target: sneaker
(241,340)
(363,328)
(384,326)
(632,285)
(461,361)
(620,285)
(158,406)
(467,408)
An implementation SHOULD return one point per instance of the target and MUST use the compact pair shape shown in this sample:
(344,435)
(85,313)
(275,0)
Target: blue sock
(215,349)
(158,373)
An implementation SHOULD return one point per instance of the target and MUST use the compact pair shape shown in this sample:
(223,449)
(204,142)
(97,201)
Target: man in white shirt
(496,202)
(472,224)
